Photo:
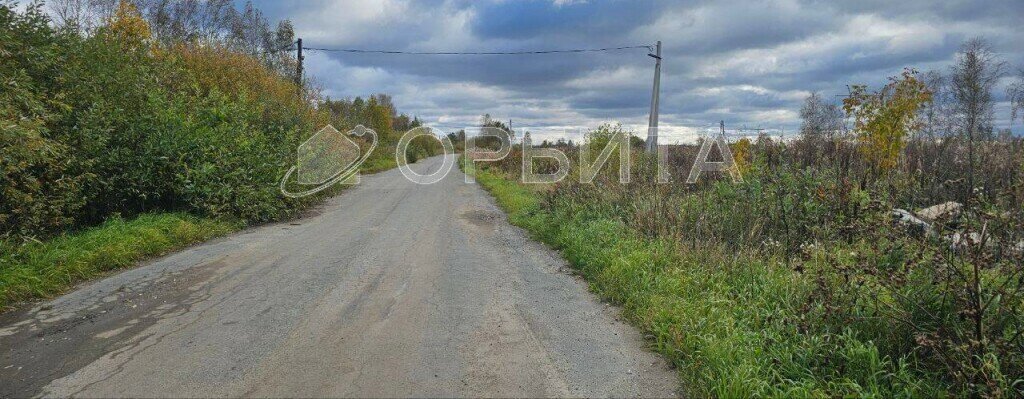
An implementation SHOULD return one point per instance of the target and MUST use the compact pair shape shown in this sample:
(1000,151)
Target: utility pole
(298,68)
(652,121)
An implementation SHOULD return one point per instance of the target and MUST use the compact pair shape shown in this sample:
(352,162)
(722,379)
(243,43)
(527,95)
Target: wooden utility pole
(298,68)
(652,121)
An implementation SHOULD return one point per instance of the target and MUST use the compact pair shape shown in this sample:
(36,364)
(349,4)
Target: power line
(655,49)
(582,50)
(288,47)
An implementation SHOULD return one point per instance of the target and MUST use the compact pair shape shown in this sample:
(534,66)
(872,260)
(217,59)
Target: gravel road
(388,289)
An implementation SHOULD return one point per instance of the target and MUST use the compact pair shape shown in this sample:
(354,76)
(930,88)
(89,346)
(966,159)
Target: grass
(378,164)
(44,269)
(729,321)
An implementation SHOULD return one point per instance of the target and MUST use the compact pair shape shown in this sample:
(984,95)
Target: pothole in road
(478,217)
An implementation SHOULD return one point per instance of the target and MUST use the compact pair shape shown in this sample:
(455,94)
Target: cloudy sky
(749,63)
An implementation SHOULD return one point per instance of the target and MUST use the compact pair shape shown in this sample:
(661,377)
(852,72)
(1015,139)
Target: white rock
(945,210)
(958,240)
(902,217)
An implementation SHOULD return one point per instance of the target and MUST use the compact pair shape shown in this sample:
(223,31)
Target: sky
(749,63)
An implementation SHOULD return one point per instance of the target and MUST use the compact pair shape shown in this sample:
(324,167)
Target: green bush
(112,123)
(35,192)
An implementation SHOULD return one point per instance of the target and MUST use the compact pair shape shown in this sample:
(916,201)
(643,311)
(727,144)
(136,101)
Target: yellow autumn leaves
(127,24)
(883,119)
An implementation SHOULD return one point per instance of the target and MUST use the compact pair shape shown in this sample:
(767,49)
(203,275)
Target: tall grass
(42,269)
(795,282)
(731,322)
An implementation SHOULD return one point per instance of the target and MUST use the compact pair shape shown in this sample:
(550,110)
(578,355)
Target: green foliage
(224,163)
(37,194)
(733,322)
(112,123)
(378,113)
(883,120)
(44,269)
(794,282)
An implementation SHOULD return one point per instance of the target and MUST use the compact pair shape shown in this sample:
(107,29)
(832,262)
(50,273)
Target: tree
(458,139)
(1015,93)
(127,24)
(936,115)
(883,119)
(279,57)
(37,191)
(975,74)
(506,134)
(379,118)
(215,19)
(742,154)
(69,13)
(174,21)
(820,119)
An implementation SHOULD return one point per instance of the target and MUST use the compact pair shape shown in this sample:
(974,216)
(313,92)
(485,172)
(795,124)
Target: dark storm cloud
(581,22)
(633,100)
(746,62)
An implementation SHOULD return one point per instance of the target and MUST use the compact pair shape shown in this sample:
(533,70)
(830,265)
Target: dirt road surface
(389,289)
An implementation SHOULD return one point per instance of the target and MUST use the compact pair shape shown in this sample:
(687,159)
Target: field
(800,280)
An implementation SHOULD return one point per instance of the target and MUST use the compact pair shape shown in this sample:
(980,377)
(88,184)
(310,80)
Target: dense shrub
(113,123)
(35,192)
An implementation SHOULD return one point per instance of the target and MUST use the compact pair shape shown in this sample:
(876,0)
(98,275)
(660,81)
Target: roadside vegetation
(41,269)
(829,270)
(118,109)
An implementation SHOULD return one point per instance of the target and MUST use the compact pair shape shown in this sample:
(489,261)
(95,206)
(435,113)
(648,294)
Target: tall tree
(884,119)
(82,16)
(505,135)
(1015,93)
(975,74)
(936,115)
(69,13)
(820,120)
